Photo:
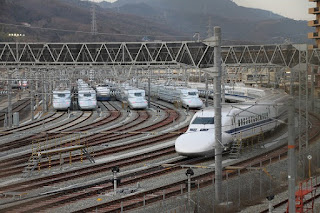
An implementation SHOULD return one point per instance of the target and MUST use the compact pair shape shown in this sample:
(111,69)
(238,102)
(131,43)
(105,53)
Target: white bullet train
(61,98)
(133,96)
(238,122)
(188,97)
(103,92)
(87,98)
(233,93)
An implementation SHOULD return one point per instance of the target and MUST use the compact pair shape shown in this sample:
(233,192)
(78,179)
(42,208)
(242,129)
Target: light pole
(16,36)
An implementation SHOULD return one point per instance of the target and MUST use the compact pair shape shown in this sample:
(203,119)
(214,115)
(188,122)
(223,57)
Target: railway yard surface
(64,161)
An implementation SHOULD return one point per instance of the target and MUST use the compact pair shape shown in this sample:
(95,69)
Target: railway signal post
(189,173)
(115,170)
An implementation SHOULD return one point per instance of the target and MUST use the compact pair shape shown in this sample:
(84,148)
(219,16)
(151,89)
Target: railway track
(65,196)
(16,107)
(139,198)
(28,140)
(97,139)
(47,136)
(173,189)
(44,120)
(14,144)
(107,138)
(145,155)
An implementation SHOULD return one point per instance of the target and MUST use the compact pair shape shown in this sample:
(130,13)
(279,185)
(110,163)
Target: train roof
(174,87)
(103,85)
(87,90)
(273,97)
(61,91)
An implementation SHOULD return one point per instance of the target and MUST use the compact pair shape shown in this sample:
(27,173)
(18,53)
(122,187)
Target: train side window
(238,122)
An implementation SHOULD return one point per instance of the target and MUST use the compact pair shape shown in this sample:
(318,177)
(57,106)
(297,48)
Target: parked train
(233,93)
(238,122)
(188,97)
(62,99)
(133,96)
(103,92)
(19,84)
(87,99)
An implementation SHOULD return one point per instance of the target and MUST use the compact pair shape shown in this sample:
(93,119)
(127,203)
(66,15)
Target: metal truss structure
(125,60)
(185,53)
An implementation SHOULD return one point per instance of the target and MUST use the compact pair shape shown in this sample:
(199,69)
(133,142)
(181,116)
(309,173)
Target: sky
(294,9)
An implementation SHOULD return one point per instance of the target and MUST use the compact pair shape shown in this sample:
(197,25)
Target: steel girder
(193,54)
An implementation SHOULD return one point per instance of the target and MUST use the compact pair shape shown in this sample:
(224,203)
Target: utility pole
(223,75)
(32,98)
(217,114)
(44,94)
(9,99)
(291,149)
(312,88)
(291,157)
(149,87)
(94,30)
(207,90)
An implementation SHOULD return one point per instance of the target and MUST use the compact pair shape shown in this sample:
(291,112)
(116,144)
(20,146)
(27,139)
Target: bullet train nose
(194,103)
(195,144)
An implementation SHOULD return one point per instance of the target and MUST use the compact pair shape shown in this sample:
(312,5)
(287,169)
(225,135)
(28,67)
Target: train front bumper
(195,144)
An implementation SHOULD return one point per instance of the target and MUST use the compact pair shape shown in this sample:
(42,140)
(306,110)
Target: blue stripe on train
(103,98)
(252,125)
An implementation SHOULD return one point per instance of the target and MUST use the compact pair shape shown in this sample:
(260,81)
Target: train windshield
(61,95)
(203,120)
(137,94)
(87,95)
(192,93)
